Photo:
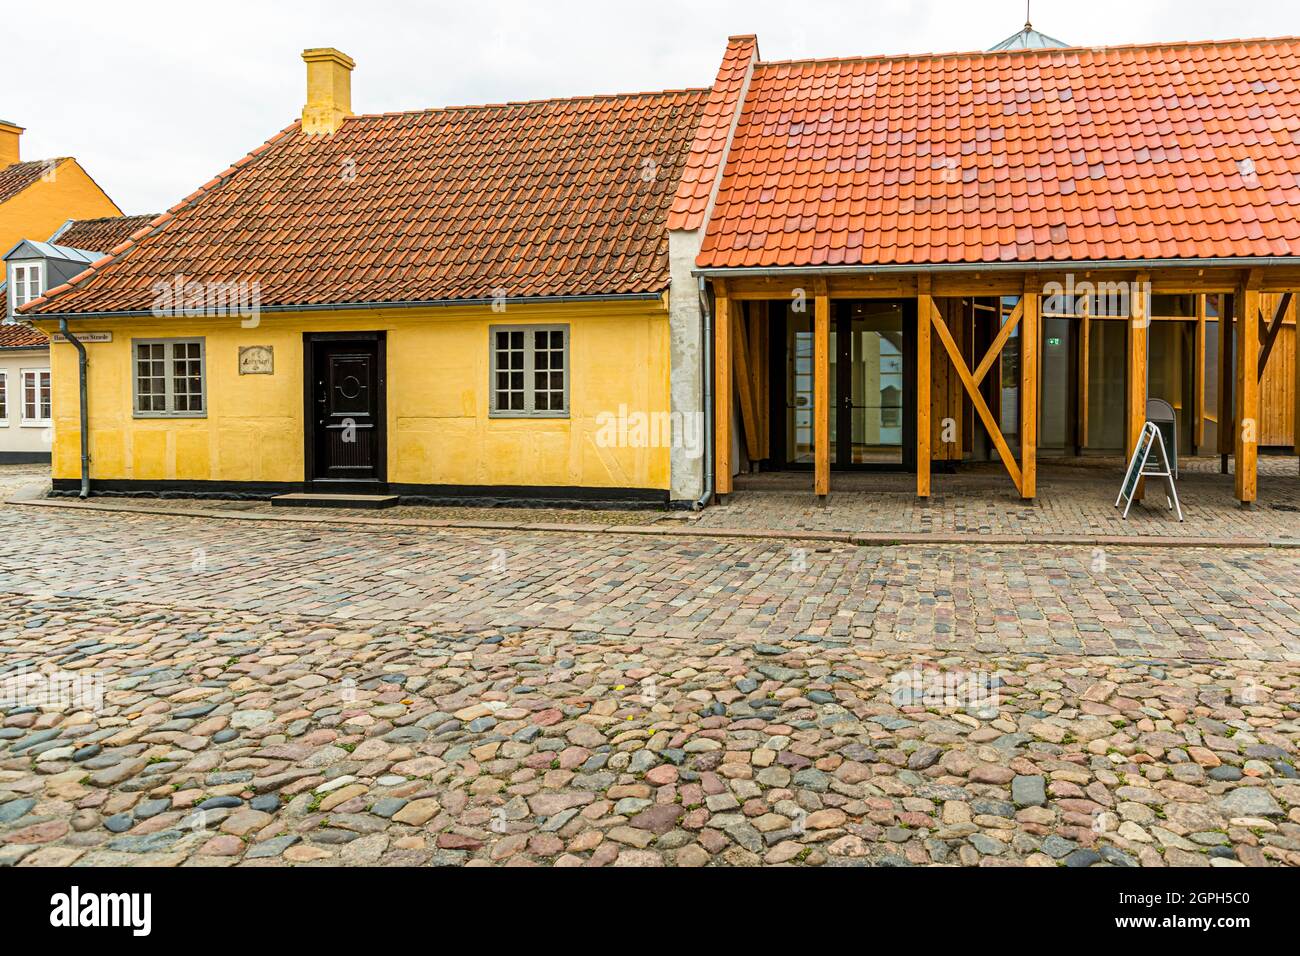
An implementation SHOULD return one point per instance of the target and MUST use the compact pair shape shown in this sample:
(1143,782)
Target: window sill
(526,417)
(29,423)
(168,416)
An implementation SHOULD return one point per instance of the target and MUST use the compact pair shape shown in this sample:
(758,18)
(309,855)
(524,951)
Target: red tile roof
(18,176)
(546,198)
(1180,150)
(91,235)
(716,123)
(101,235)
(19,335)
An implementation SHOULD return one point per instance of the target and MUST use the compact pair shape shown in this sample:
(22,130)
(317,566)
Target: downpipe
(706,325)
(85,406)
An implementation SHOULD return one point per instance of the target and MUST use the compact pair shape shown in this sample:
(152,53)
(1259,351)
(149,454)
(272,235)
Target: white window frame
(37,373)
(529,410)
(22,278)
(4,398)
(169,378)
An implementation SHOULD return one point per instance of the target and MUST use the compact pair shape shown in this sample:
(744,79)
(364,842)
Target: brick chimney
(329,89)
(9,136)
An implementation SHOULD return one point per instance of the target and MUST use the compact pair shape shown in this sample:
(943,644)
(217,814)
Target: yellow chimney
(329,89)
(9,136)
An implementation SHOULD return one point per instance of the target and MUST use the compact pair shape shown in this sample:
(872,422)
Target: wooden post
(1137,371)
(1085,343)
(1029,326)
(1295,381)
(1227,418)
(924,318)
(722,391)
(1198,376)
(760,368)
(1247,432)
(822,391)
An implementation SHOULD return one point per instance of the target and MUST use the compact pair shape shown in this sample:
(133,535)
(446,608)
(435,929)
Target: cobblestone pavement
(277,696)
(1073,499)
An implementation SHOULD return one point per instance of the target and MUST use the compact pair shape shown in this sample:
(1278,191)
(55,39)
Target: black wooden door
(347,402)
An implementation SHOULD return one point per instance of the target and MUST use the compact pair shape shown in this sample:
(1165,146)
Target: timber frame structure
(1244,346)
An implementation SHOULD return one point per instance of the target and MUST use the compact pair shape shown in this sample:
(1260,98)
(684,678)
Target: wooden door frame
(379,484)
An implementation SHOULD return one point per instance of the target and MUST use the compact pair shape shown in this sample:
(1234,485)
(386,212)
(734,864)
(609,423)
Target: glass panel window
(26,284)
(4,399)
(169,378)
(36,396)
(530,371)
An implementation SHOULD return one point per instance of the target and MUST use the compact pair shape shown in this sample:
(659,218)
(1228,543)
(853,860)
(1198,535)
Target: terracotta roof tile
(716,123)
(1178,150)
(18,176)
(19,335)
(101,235)
(544,198)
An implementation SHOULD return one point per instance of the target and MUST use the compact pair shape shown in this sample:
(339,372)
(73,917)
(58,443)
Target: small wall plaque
(256,360)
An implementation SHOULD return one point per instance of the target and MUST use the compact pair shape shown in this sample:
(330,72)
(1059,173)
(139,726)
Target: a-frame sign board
(1142,465)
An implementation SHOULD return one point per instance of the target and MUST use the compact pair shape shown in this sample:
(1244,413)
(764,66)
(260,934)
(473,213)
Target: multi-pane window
(36,396)
(530,371)
(4,398)
(25,284)
(169,378)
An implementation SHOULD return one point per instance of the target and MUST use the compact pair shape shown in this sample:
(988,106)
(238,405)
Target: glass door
(1057,388)
(870,410)
(799,436)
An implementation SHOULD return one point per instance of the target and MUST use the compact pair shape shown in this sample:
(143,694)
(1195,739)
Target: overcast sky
(154,97)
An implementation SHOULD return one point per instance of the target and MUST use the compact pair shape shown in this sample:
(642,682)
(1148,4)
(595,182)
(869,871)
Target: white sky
(154,97)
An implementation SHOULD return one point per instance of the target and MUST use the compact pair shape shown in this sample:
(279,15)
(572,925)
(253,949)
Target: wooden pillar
(1136,401)
(924,318)
(1295,381)
(1085,343)
(1029,340)
(1198,376)
(1247,431)
(722,391)
(821,391)
(1227,418)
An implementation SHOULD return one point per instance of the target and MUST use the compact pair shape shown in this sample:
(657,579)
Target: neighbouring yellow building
(446,304)
(40,195)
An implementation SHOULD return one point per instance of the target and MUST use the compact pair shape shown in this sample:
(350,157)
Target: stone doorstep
(312,516)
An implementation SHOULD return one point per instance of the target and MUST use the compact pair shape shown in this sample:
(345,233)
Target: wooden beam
(1274,328)
(1136,399)
(1227,423)
(722,391)
(760,366)
(999,340)
(1247,432)
(744,384)
(977,399)
(1029,306)
(1085,336)
(821,391)
(924,310)
(1198,375)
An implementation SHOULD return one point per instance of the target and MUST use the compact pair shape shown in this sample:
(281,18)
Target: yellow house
(445,304)
(40,195)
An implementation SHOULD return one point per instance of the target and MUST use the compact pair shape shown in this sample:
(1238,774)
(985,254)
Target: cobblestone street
(288,694)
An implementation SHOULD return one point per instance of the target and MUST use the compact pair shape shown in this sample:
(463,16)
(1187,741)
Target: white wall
(686,384)
(16,436)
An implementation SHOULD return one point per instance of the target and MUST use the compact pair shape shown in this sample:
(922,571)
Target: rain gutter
(1064,265)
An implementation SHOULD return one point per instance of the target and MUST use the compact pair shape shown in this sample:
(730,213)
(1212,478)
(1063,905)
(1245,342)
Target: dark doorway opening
(345,414)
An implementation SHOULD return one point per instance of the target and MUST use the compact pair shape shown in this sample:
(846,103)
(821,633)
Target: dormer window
(25,283)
